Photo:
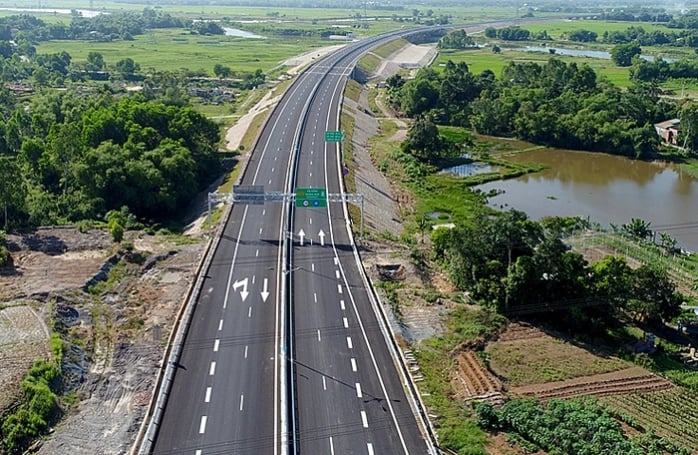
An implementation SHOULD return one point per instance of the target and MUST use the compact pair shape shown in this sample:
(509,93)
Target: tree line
(520,266)
(66,157)
(555,103)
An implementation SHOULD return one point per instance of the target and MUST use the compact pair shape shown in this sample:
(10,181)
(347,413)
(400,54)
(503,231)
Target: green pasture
(479,60)
(170,50)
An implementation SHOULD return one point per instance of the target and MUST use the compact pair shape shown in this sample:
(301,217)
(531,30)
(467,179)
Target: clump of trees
(556,103)
(72,158)
(457,39)
(522,266)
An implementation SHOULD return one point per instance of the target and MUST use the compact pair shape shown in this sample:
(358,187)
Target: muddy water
(605,188)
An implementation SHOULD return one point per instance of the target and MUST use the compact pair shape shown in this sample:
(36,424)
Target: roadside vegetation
(509,267)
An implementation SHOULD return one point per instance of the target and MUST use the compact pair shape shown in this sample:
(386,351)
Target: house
(668,130)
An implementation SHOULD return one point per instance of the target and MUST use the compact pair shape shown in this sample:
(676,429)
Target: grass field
(547,359)
(175,49)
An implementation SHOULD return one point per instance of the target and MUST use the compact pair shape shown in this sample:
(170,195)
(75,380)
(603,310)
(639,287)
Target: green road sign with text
(311,197)
(334,136)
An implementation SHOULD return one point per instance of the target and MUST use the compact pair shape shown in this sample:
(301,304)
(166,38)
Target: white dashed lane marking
(242,402)
(216,345)
(324,383)
(341,305)
(207,399)
(212,369)
(369,446)
(246,351)
(318,335)
(358,390)
(364,419)
(346,323)
(339,288)
(349,343)
(202,425)
(353,365)
(220,325)
(315,296)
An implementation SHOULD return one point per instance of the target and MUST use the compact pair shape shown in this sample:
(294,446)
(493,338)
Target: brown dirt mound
(472,381)
(521,331)
(629,380)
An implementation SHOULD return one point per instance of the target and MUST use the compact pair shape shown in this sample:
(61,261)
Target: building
(668,131)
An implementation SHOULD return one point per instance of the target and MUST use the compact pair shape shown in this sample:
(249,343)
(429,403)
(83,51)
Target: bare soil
(115,339)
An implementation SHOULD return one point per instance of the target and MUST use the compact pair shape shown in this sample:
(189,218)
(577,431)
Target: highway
(284,337)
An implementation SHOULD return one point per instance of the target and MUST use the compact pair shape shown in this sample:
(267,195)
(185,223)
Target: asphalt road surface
(229,395)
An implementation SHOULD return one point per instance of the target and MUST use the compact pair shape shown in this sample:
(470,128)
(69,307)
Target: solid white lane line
(202,425)
(216,344)
(246,351)
(339,288)
(207,399)
(358,390)
(315,296)
(318,335)
(341,305)
(242,401)
(249,312)
(369,446)
(349,343)
(331,446)
(212,369)
(364,419)
(336,274)
(353,365)
(324,383)
(220,325)
(346,323)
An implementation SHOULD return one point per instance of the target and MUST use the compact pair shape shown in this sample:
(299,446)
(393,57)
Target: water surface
(606,189)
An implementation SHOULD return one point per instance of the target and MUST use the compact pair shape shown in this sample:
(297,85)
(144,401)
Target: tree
(424,141)
(640,229)
(222,71)
(622,54)
(127,67)
(654,296)
(12,189)
(95,61)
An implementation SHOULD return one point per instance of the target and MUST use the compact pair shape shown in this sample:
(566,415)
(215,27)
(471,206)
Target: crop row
(671,413)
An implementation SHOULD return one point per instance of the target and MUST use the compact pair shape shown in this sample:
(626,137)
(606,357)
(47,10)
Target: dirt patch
(115,338)
(23,338)
(628,380)
(530,356)
(472,381)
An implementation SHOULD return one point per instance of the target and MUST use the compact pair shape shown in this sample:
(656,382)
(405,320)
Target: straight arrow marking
(265,290)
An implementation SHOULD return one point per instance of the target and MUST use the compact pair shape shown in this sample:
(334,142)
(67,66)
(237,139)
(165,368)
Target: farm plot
(670,413)
(529,356)
(472,381)
(629,380)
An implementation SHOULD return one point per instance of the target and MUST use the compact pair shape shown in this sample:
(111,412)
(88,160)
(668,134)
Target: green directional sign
(334,136)
(311,197)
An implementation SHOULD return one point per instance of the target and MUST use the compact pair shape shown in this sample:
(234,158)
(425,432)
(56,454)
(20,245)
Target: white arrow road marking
(243,283)
(321,234)
(265,290)
(301,234)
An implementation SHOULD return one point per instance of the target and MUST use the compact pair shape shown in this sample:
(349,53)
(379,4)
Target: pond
(583,53)
(230,31)
(468,169)
(606,189)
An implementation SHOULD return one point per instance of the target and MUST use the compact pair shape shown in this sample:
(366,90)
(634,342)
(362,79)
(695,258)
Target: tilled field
(629,380)
(472,381)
